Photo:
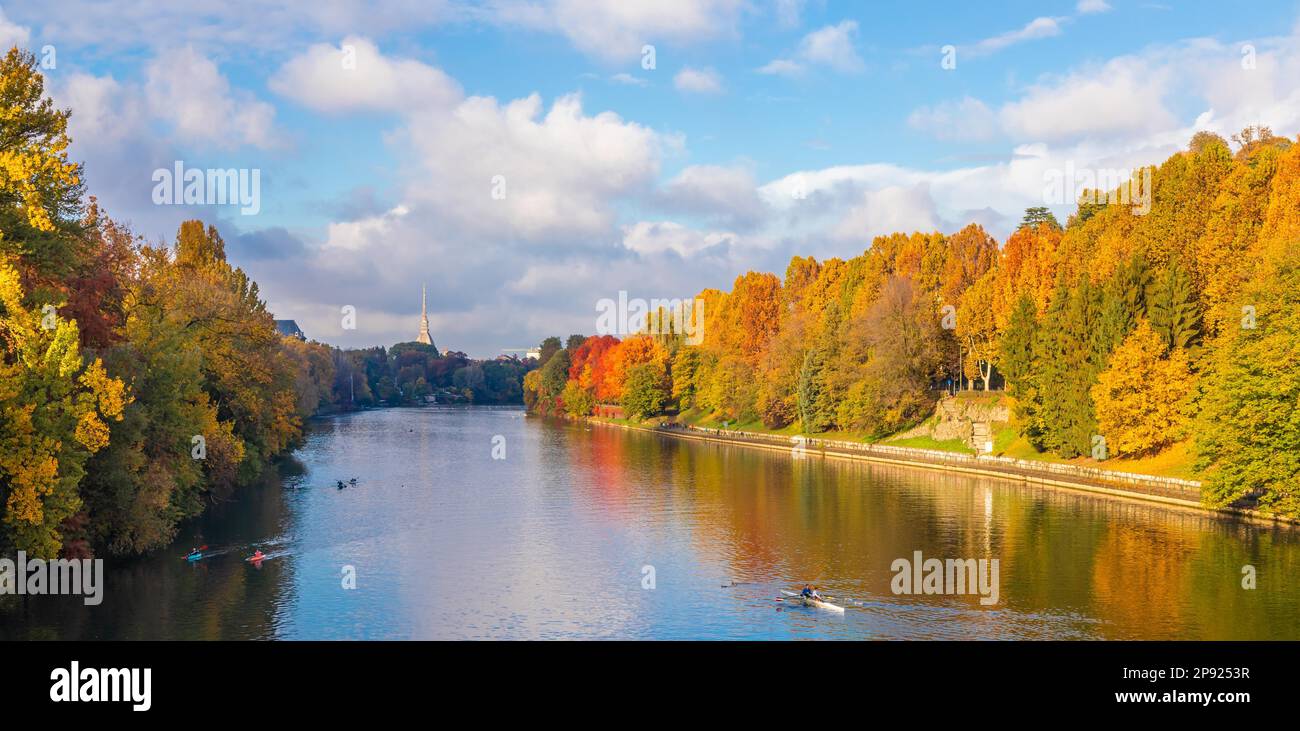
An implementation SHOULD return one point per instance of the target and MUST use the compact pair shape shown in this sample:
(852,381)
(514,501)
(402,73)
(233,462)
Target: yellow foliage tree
(52,412)
(1140,397)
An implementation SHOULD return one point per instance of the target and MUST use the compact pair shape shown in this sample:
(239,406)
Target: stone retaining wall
(1191,487)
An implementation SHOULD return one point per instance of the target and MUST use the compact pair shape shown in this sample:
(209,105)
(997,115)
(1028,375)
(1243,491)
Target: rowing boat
(810,602)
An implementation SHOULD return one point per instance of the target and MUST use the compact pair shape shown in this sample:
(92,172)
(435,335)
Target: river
(584,531)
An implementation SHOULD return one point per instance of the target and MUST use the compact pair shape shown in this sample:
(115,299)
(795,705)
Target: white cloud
(1086,7)
(561,170)
(616,31)
(725,194)
(788,12)
(968,119)
(628,80)
(188,91)
(781,67)
(1125,96)
(1033,30)
(359,234)
(12,34)
(698,81)
(217,28)
(646,237)
(830,46)
(889,209)
(355,76)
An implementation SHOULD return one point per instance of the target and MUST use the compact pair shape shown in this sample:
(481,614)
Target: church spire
(424,336)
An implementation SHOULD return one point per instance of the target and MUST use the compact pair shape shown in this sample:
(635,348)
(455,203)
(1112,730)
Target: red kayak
(256,557)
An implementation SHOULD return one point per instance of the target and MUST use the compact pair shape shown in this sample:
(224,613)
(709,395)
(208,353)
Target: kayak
(195,556)
(809,602)
(256,559)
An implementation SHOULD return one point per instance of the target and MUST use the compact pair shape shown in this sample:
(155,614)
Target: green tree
(551,382)
(1039,214)
(1173,308)
(1248,430)
(1017,346)
(645,392)
(549,347)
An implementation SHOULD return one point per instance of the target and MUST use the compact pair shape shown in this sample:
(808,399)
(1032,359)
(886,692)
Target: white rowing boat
(807,602)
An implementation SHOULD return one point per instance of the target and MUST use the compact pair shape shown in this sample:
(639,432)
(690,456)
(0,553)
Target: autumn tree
(55,409)
(1140,396)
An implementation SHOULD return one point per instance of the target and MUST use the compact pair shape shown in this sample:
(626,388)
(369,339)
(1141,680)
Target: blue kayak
(194,556)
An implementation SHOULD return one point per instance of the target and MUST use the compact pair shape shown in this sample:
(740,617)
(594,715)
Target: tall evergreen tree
(1037,215)
(1017,363)
(1173,308)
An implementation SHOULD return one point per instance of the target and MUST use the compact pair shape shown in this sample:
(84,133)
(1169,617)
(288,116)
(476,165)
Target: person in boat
(807,592)
(258,555)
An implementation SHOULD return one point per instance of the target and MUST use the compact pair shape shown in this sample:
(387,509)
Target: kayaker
(258,555)
(807,592)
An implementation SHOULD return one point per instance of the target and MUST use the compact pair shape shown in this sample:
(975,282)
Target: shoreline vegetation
(1169,492)
(1161,339)
(140,383)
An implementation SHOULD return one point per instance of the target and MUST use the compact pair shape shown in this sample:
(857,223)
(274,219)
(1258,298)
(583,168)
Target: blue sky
(766,128)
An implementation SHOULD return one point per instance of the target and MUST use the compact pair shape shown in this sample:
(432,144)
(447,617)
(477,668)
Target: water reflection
(553,541)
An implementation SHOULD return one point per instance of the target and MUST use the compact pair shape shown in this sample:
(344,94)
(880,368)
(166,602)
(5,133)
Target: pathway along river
(552,542)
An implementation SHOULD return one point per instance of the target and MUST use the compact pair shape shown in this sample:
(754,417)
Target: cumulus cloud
(648,237)
(1086,7)
(616,31)
(698,81)
(725,195)
(967,119)
(831,46)
(1125,96)
(188,91)
(354,76)
(554,174)
(889,209)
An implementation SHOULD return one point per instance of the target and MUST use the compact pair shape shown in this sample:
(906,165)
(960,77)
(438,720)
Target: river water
(582,531)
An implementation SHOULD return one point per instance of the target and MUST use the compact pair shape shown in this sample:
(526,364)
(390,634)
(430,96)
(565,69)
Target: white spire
(424,336)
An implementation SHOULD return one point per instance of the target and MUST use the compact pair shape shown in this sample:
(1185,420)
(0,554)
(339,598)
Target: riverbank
(1175,493)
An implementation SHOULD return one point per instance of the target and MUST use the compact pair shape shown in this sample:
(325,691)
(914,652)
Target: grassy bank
(1177,461)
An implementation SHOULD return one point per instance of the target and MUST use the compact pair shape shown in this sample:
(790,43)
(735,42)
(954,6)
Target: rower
(807,592)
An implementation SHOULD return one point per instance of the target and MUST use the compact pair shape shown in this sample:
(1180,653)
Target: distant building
(289,328)
(424,337)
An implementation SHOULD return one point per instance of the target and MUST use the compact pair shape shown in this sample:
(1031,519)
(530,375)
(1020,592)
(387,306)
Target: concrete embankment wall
(1174,492)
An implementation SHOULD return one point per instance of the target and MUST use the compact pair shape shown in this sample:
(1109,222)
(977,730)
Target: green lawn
(1177,461)
(926,442)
